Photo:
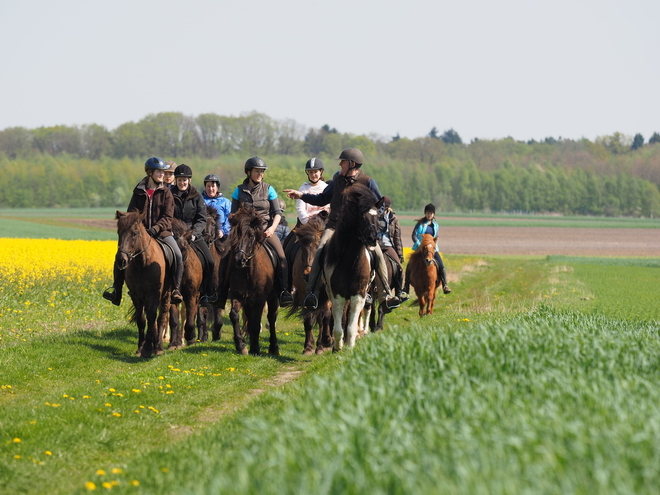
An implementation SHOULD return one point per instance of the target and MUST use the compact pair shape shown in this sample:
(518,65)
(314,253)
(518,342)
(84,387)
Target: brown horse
(307,238)
(218,248)
(191,282)
(347,264)
(423,274)
(378,310)
(252,281)
(147,280)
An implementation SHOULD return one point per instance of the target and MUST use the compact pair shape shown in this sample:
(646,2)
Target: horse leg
(337,330)
(141,322)
(175,329)
(202,327)
(150,340)
(308,323)
(381,317)
(162,323)
(354,315)
(273,309)
(235,317)
(217,322)
(253,317)
(422,304)
(191,312)
(325,322)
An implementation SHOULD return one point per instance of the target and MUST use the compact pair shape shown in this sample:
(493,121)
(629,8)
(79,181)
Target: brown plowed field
(539,241)
(543,241)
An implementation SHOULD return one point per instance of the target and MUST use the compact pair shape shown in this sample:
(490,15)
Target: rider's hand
(293,194)
(269,232)
(402,259)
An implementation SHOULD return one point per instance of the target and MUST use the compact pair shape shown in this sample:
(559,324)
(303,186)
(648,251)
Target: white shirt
(305,210)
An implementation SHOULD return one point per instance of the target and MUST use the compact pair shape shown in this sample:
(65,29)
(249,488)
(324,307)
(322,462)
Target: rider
(283,229)
(190,208)
(262,196)
(428,225)
(169,173)
(153,197)
(350,161)
(213,197)
(389,238)
(315,185)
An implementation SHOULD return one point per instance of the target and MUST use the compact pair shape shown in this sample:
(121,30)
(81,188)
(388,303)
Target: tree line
(91,166)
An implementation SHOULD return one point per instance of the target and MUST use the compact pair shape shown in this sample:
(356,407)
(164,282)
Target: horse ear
(119,214)
(380,202)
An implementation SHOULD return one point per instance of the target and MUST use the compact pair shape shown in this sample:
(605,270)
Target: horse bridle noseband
(131,257)
(246,260)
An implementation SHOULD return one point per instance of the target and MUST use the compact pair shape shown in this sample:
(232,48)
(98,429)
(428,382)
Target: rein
(246,260)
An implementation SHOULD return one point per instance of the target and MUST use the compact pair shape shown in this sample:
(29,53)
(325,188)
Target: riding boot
(398,287)
(113,294)
(312,297)
(286,299)
(443,279)
(176,297)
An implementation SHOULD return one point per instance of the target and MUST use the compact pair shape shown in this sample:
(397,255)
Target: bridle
(130,256)
(246,260)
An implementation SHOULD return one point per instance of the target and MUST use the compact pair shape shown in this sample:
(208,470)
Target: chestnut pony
(422,273)
(147,280)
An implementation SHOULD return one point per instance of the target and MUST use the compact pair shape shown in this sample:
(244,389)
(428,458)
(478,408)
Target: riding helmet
(254,162)
(170,165)
(314,164)
(183,170)
(155,163)
(212,178)
(353,155)
(429,208)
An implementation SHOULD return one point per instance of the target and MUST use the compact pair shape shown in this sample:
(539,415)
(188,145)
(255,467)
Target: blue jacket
(422,228)
(223,207)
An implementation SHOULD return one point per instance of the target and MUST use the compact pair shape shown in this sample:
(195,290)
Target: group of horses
(348,274)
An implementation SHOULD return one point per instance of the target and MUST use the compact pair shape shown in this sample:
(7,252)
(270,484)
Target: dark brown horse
(252,281)
(307,238)
(191,282)
(147,281)
(218,248)
(422,273)
(347,264)
(378,310)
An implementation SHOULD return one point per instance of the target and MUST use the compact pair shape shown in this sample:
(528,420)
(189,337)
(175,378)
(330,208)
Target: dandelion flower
(17,440)
(90,485)
(100,472)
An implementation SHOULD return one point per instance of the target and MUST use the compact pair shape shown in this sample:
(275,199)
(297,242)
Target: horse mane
(309,232)
(356,200)
(245,220)
(182,234)
(212,223)
(126,220)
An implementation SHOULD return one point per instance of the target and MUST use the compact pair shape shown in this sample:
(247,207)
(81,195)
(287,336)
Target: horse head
(427,248)
(360,214)
(309,236)
(212,221)
(246,236)
(133,237)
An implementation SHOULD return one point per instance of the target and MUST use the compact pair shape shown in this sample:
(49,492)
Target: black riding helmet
(155,163)
(254,162)
(212,178)
(314,164)
(183,170)
(429,208)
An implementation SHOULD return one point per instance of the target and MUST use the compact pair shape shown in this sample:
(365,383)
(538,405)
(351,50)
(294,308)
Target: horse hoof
(159,352)
(243,351)
(308,352)
(191,342)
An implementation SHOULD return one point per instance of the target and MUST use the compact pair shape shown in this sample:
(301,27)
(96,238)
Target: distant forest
(89,165)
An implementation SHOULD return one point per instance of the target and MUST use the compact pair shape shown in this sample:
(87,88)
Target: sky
(489,70)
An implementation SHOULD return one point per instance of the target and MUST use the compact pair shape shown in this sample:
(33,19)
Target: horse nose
(123,261)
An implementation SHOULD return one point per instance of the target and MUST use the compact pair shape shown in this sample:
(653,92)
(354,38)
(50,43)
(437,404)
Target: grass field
(534,375)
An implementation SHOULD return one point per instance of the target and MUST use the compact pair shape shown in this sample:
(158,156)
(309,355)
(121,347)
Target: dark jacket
(263,199)
(393,231)
(159,208)
(332,194)
(189,207)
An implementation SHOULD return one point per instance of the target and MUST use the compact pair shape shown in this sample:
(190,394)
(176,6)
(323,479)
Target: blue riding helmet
(155,163)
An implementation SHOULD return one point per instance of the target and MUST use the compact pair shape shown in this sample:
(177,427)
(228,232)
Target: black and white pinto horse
(347,262)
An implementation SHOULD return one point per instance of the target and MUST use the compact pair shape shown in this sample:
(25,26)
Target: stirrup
(311,301)
(176,297)
(403,296)
(392,302)
(286,299)
(204,302)
(368,299)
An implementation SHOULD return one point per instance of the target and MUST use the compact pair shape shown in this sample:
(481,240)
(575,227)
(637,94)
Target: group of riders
(166,193)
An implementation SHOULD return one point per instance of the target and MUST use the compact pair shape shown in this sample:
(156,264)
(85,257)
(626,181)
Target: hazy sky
(488,69)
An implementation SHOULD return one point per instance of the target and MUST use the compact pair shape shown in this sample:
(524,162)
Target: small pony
(423,274)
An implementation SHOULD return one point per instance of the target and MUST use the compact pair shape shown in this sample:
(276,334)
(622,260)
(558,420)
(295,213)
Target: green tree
(655,138)
(638,142)
(451,137)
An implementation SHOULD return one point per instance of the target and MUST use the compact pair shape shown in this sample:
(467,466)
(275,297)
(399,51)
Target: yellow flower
(17,440)
(117,471)
(90,485)
(100,472)
(116,414)
(48,452)
(135,483)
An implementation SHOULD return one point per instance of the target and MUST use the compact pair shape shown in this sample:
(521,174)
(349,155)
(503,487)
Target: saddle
(168,253)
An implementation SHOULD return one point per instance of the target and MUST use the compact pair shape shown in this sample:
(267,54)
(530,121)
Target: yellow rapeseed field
(28,263)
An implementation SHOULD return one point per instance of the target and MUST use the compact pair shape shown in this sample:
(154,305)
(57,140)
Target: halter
(131,257)
(246,260)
